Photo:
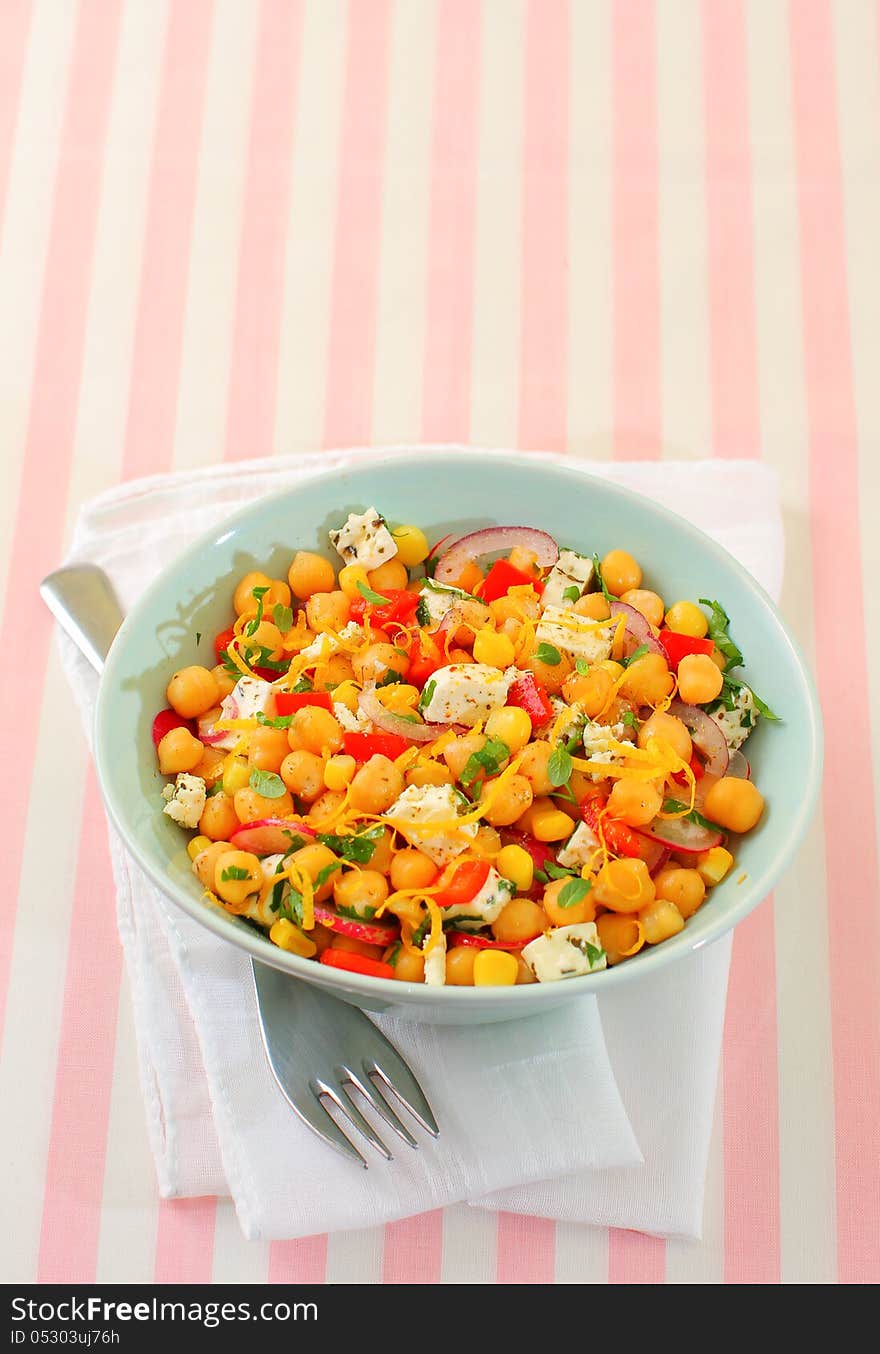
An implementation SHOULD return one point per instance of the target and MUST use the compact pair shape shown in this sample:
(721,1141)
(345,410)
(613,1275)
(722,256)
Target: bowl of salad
(459,737)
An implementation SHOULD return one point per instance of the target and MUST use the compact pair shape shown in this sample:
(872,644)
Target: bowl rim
(391,991)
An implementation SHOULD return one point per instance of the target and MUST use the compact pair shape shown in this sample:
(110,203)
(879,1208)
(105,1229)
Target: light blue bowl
(452,494)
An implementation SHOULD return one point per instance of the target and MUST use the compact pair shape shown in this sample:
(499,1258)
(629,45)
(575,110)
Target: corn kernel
(713,865)
(289,937)
(196,845)
(515,863)
(236,775)
(492,648)
(339,771)
(551,825)
(685,618)
(349,577)
(346,693)
(495,968)
(412,545)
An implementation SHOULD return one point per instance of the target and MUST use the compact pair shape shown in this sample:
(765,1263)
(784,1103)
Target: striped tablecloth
(642,228)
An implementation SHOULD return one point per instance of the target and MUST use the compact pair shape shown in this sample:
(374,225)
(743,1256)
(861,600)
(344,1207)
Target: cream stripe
(355,1257)
(589,234)
(581,1254)
(25,234)
(495,364)
(684,312)
(213,270)
(689,1262)
(36,983)
(305,318)
(400,321)
(469,1245)
(804,1031)
(236,1260)
(127,1239)
(857,45)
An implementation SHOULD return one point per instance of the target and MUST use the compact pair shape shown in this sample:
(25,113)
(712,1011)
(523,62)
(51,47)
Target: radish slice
(653,853)
(370,705)
(638,630)
(492,539)
(267,836)
(467,938)
(680,834)
(371,933)
(216,738)
(739,766)
(706,736)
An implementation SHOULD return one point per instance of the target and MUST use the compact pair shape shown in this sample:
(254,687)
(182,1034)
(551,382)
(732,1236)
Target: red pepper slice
(531,695)
(166,720)
(501,578)
(679,646)
(399,610)
(288,702)
(465,883)
(424,659)
(620,838)
(363,746)
(468,939)
(222,642)
(357,963)
(696,766)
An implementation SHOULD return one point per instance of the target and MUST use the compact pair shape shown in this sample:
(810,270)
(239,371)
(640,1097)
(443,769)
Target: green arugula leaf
(282,616)
(675,805)
(731,685)
(488,759)
(559,767)
(572,594)
(549,654)
(718,631)
(234,872)
(374,598)
(267,784)
(636,653)
(574,892)
(597,569)
(273,721)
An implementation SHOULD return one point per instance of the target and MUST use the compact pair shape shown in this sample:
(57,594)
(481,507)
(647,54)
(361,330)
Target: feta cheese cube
(565,952)
(439,601)
(597,740)
(413,812)
(570,571)
(580,848)
(185,799)
(249,695)
(738,723)
(485,906)
(435,964)
(353,723)
(326,644)
(465,693)
(574,635)
(364,540)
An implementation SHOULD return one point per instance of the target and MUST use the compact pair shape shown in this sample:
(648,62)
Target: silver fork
(322,1051)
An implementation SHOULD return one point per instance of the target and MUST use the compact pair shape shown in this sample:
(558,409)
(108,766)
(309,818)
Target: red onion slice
(488,541)
(268,836)
(370,705)
(638,630)
(706,736)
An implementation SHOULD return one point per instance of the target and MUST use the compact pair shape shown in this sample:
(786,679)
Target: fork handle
(82,600)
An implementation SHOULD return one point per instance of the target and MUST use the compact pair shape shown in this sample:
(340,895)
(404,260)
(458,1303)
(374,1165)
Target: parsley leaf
(675,805)
(488,759)
(541,876)
(423,615)
(302,685)
(323,875)
(731,685)
(267,784)
(273,722)
(597,569)
(394,954)
(559,767)
(198,637)
(292,908)
(421,931)
(427,694)
(572,594)
(254,625)
(374,598)
(282,616)
(636,653)
(359,848)
(351,912)
(389,678)
(555,871)
(549,654)
(574,892)
(233,872)
(718,623)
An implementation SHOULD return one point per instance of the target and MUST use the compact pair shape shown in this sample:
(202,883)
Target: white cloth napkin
(533,1117)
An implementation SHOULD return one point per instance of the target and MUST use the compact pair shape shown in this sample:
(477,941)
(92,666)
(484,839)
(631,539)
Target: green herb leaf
(488,759)
(421,931)
(394,953)
(374,598)
(292,907)
(198,637)
(630,720)
(574,892)
(572,594)
(423,615)
(234,872)
(358,848)
(541,876)
(323,875)
(267,784)
(559,767)
(427,694)
(215,789)
(581,666)
(258,594)
(353,914)
(731,685)
(549,654)
(593,953)
(295,838)
(301,686)
(597,569)
(636,653)
(282,616)
(555,871)
(718,625)
(273,722)
(675,806)
(390,678)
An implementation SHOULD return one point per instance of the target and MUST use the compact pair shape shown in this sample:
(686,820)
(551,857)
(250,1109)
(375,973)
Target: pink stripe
(352,343)
(48,451)
(162,301)
(450,302)
(185,1241)
(543,392)
(80,1113)
(636,265)
(254,366)
(15,22)
(526,1251)
(634,1258)
(752,1246)
(414,1249)
(301,1261)
(850,843)
(734,359)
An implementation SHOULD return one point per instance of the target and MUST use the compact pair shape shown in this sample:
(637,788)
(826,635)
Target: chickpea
(408,967)
(623,885)
(592,606)
(551,675)
(243,599)
(349,577)
(458,754)
(648,603)
(583,910)
(376,786)
(683,887)
(219,819)
(203,864)
(310,573)
(250,806)
(311,860)
(375,661)
(475,616)
(178,751)
(541,804)
(328,611)
(411,869)
(267,636)
(620,934)
(660,920)
(314,729)
(620,572)
(507,801)
(192,691)
(533,766)
(523,973)
(512,725)
(460,966)
(323,808)
(303,774)
(360,891)
(210,768)
(685,618)
(671,730)
(735,804)
(225,681)
(487,842)
(267,749)
(519,920)
(335,670)
(392,574)
(648,680)
(228,886)
(522,606)
(412,545)
(383,851)
(592,690)
(432,773)
(699,680)
(635,802)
